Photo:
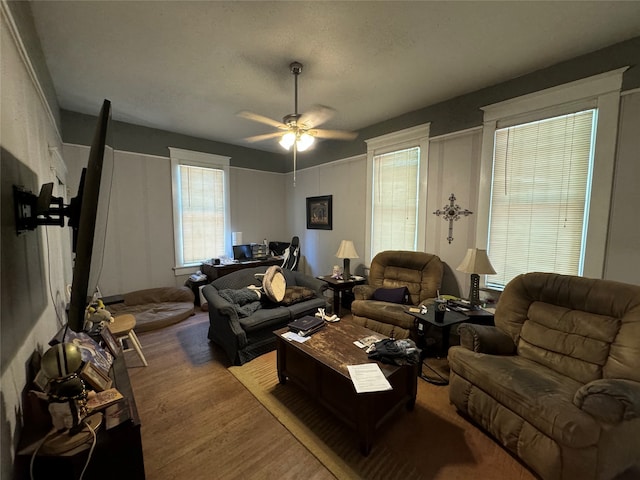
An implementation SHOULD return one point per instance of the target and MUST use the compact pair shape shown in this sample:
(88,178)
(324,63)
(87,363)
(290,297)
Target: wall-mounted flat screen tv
(88,219)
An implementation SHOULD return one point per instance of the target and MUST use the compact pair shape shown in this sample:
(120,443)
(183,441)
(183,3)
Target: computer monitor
(242,253)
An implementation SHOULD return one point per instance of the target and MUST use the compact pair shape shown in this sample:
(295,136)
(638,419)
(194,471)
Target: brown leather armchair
(557,380)
(420,272)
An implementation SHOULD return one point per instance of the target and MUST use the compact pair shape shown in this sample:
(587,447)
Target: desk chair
(292,254)
(122,328)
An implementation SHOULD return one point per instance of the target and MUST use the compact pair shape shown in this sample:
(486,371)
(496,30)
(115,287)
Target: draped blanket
(245,301)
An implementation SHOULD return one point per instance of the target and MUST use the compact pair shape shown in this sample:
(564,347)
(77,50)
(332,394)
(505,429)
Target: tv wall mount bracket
(32,210)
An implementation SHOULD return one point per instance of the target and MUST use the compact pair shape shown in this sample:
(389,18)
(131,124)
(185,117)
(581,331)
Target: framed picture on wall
(319,212)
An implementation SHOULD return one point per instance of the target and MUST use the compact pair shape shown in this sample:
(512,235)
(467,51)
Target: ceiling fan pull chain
(295,95)
(295,152)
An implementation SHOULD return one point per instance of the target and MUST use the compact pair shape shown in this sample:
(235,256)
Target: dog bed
(156,307)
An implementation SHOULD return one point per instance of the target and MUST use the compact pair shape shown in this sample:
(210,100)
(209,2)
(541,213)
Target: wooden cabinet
(117,454)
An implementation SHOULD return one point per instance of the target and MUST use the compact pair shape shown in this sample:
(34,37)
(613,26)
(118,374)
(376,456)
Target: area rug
(430,442)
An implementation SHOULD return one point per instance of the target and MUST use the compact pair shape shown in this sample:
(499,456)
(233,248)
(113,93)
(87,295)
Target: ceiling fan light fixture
(298,130)
(288,140)
(304,141)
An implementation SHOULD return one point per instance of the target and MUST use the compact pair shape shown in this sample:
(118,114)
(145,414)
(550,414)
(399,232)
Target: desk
(216,271)
(339,286)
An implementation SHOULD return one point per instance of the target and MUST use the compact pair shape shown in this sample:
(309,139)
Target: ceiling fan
(298,130)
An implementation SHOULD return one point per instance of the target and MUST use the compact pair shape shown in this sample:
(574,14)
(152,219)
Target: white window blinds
(202,213)
(539,199)
(395,200)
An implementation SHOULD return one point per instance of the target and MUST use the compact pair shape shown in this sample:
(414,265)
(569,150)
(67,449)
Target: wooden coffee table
(319,366)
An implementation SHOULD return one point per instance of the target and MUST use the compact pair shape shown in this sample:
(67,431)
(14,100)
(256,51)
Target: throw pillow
(392,295)
(297,294)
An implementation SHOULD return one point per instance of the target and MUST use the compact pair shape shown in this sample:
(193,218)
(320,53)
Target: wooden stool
(122,328)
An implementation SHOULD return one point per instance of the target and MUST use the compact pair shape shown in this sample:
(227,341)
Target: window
(396,174)
(546,178)
(200,206)
(395,200)
(540,196)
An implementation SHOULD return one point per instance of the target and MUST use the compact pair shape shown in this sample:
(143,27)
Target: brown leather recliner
(557,380)
(420,272)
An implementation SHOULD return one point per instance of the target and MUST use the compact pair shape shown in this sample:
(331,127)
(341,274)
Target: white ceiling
(189,67)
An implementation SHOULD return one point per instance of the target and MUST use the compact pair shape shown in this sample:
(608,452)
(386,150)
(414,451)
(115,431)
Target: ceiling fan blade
(262,119)
(334,134)
(316,116)
(264,136)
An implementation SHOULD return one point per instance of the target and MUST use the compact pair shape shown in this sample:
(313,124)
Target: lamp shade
(476,261)
(347,250)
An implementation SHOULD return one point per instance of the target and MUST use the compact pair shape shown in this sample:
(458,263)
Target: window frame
(601,92)
(179,157)
(549,190)
(417,136)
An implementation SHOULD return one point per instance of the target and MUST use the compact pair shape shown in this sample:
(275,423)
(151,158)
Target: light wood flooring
(199,422)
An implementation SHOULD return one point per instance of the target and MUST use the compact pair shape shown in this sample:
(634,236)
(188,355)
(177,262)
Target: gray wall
(21,15)
(623,246)
(36,265)
(464,112)
(139,249)
(449,116)
(338,168)
(453,167)
(78,129)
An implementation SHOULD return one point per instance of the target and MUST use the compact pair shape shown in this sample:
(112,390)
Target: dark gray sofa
(245,338)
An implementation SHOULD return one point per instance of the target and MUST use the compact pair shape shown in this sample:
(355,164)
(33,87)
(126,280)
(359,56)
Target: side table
(422,320)
(338,286)
(479,317)
(195,285)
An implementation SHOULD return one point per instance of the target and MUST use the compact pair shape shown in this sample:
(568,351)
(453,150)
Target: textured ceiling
(190,67)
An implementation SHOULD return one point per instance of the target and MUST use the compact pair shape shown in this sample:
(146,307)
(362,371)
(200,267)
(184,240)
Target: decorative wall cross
(452,212)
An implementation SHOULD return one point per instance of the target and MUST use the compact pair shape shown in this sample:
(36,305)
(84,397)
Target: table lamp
(475,262)
(346,251)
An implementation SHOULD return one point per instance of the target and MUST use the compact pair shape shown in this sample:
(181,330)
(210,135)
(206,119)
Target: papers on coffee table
(295,337)
(368,378)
